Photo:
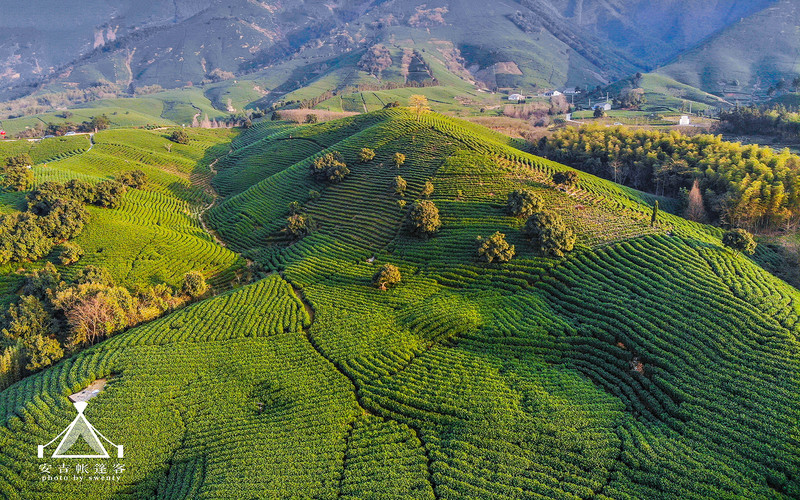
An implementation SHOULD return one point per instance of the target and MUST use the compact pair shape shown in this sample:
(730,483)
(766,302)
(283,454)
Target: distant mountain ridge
(546,43)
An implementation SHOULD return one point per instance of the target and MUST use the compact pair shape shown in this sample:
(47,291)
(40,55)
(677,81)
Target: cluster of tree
(376,59)
(233,120)
(777,121)
(630,98)
(548,234)
(299,225)
(32,234)
(538,113)
(94,124)
(107,193)
(16,173)
(330,167)
(40,103)
(53,318)
(545,229)
(740,240)
(179,137)
(55,213)
(744,186)
(366,155)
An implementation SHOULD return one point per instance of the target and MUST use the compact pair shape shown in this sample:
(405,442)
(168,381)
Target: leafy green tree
(17,174)
(299,225)
(98,123)
(41,351)
(330,167)
(194,284)
(427,190)
(495,248)
(313,194)
(97,275)
(132,178)
(23,160)
(400,185)
(40,282)
(386,277)
(549,234)
(632,98)
(295,207)
(312,118)
(109,193)
(70,253)
(41,199)
(66,219)
(523,203)
(399,159)
(366,155)
(32,325)
(739,240)
(79,190)
(424,218)
(566,178)
(27,318)
(22,238)
(599,112)
(179,136)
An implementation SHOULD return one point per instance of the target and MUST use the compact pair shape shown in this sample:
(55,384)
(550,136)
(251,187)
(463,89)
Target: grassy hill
(649,362)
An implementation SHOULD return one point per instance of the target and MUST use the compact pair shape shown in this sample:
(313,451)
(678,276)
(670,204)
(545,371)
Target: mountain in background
(747,58)
(524,44)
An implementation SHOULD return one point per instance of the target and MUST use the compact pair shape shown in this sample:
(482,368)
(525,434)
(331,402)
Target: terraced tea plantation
(649,362)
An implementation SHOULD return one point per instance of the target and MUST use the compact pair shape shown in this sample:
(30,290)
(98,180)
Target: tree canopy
(330,167)
(424,218)
(495,248)
(740,241)
(386,277)
(742,185)
(548,234)
(523,203)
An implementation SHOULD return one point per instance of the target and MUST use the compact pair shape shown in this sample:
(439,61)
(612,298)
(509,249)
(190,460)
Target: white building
(605,106)
(516,97)
(552,93)
(571,91)
(684,121)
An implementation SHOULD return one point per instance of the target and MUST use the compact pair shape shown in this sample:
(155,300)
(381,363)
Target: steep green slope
(649,362)
(155,235)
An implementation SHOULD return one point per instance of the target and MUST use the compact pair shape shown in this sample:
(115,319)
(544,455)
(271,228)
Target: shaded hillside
(648,362)
(747,58)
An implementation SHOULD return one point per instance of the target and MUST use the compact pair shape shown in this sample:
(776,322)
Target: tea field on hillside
(649,362)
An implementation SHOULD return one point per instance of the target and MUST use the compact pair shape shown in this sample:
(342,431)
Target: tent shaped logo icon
(78,432)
